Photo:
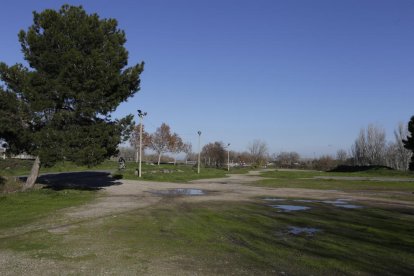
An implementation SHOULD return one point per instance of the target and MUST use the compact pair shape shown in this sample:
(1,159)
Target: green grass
(220,238)
(18,209)
(176,173)
(305,179)
(14,167)
(294,174)
(224,238)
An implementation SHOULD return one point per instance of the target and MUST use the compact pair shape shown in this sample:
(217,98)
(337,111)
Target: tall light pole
(141,117)
(228,157)
(199,151)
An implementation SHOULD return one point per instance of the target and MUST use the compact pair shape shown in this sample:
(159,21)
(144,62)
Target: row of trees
(371,148)
(215,154)
(161,142)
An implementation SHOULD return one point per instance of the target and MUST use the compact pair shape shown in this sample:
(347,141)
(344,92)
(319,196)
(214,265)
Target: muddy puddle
(179,192)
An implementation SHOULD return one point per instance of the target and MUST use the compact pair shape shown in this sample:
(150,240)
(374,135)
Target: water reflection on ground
(179,192)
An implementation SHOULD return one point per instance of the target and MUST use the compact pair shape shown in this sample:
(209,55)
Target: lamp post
(228,157)
(141,117)
(199,151)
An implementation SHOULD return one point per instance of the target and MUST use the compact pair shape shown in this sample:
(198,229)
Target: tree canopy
(409,142)
(60,107)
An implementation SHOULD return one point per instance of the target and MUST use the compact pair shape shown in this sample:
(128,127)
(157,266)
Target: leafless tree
(341,156)
(258,152)
(214,154)
(369,147)
(176,145)
(161,140)
(324,163)
(286,159)
(188,150)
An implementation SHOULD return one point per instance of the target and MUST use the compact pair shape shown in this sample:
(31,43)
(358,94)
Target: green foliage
(409,142)
(60,107)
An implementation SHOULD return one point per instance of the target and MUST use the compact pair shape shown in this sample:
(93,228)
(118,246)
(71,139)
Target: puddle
(341,203)
(305,200)
(348,206)
(180,191)
(289,208)
(335,202)
(303,230)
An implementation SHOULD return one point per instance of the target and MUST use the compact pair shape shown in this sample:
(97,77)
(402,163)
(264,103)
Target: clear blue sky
(301,75)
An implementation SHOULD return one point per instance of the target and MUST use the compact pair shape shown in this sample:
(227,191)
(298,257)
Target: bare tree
(341,156)
(176,145)
(359,149)
(369,147)
(188,150)
(258,152)
(214,154)
(161,140)
(287,159)
(324,163)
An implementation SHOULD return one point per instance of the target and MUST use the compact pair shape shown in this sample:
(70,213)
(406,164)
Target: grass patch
(217,238)
(176,173)
(9,184)
(165,172)
(18,209)
(305,179)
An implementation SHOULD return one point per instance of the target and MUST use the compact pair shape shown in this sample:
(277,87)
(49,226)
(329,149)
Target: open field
(128,227)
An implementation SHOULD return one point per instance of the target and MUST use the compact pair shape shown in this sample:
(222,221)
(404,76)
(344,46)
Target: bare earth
(130,195)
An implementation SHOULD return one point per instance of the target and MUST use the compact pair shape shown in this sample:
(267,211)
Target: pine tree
(409,142)
(59,108)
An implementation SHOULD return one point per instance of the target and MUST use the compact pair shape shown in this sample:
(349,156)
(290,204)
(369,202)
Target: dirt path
(133,194)
(129,195)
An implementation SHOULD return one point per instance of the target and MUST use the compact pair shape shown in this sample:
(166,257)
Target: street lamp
(199,151)
(141,117)
(228,156)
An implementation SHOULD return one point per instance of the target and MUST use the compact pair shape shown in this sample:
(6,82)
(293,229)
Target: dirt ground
(124,197)
(129,195)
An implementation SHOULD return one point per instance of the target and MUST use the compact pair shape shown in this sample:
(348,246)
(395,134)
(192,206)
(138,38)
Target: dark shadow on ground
(91,180)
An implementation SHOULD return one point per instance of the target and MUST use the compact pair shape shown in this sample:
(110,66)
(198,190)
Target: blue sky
(300,75)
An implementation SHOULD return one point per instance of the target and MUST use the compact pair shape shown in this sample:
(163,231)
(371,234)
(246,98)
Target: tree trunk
(159,158)
(34,173)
